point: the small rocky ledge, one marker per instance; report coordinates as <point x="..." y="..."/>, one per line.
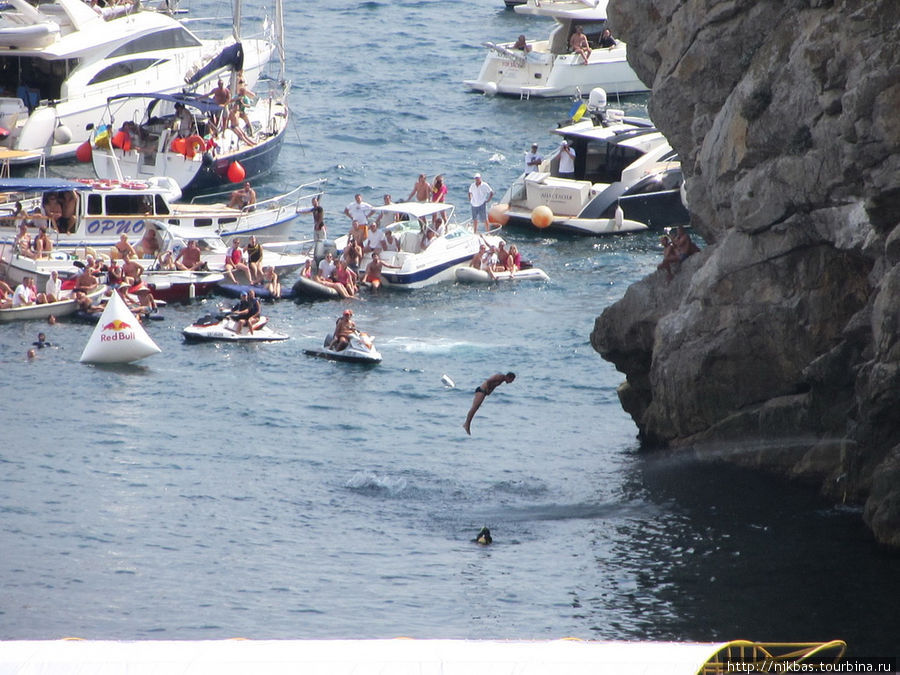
<point x="777" y="346"/>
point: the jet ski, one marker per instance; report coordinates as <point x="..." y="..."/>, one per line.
<point x="211" y="328"/>
<point x="360" y="350"/>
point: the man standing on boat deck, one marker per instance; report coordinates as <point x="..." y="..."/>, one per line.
<point x="480" y="193"/>
<point x="566" y="160"/>
<point x="533" y="159"/>
<point x="359" y="210"/>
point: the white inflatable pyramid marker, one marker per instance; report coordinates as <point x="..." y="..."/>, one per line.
<point x="119" y="337"/>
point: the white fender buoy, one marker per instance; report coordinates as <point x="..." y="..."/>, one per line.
<point x="620" y="216"/>
<point x="445" y="378"/>
<point x="490" y="89"/>
<point x="118" y="336"/>
<point x="62" y="134"/>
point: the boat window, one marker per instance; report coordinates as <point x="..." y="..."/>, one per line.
<point x="120" y="205"/>
<point x="172" y="38"/>
<point x="604" y="162"/>
<point x="203" y="222"/>
<point x="227" y="221"/>
<point x="162" y="208"/>
<point x="34" y="79"/>
<point x="123" y="68"/>
<point x="95" y="205"/>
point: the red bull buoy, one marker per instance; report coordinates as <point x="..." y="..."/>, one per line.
<point x="118" y="336"/>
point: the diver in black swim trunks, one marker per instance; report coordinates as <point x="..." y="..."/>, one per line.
<point x="484" y="390"/>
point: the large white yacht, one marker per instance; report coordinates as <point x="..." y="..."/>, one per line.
<point x="60" y="60"/>
<point x="626" y="178"/>
<point x="548" y="67"/>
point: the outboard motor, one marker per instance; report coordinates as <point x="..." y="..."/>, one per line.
<point x="598" y="110"/>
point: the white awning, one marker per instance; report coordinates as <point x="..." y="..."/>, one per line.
<point x="414" y="209"/>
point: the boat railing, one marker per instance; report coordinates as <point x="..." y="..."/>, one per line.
<point x="298" y="200"/>
<point x="505" y="51"/>
<point x="749" y="656"/>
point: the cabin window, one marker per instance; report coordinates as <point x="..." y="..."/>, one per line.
<point x="160" y="40"/>
<point x="123" y="68"/>
<point x="33" y="79"/>
<point x="604" y="162"/>
<point x="95" y="205"/>
<point x="203" y="222"/>
<point x="122" y="205"/>
<point x="162" y="208"/>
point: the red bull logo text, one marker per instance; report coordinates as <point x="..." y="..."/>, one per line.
<point x="120" y="331"/>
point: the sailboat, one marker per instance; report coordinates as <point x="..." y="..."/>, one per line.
<point x="211" y="151"/>
<point x="61" y="59"/>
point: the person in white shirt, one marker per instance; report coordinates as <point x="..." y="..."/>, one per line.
<point x="566" y="161"/>
<point x="26" y="294"/>
<point x="53" y="288"/>
<point x="358" y="210"/>
<point x="533" y="159"/>
<point x="326" y="266"/>
<point x="480" y="193"/>
<point x="390" y="243"/>
<point x="375" y="242"/>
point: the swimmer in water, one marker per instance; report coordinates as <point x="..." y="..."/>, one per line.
<point x="484" y="390"/>
<point x="484" y="537"/>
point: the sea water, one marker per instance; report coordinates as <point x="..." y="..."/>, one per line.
<point x="217" y="491"/>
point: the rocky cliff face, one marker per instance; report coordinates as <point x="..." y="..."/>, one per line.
<point x="779" y="344"/>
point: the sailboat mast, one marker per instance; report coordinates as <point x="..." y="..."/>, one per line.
<point x="236" y="20"/>
<point x="279" y="37"/>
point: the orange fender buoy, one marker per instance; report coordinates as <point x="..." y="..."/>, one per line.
<point x="236" y="172"/>
<point x="498" y="214"/>
<point x="542" y="216"/>
<point x="84" y="152"/>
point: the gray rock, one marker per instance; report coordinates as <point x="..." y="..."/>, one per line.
<point x="782" y="338"/>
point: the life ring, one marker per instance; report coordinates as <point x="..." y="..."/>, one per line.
<point x="135" y="185"/>
<point x="193" y="145"/>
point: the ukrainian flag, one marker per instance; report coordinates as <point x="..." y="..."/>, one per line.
<point x="578" y="111"/>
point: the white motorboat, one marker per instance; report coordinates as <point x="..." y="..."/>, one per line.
<point x="361" y="349"/>
<point x="224" y="329"/>
<point x="213" y="250"/>
<point x="548" y="67"/>
<point x="64" y="307"/>
<point x="451" y="245"/>
<point x="105" y="210"/>
<point x="470" y="275"/>
<point x="627" y="178"/>
<point x="63" y="59"/>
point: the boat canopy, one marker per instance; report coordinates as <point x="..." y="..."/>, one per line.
<point x="574" y="10"/>
<point x="609" y="134"/>
<point x="198" y="101"/>
<point x="414" y="209"/>
<point x="399" y="657"/>
<point x="40" y="185"/>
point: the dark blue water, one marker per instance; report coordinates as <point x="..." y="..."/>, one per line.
<point x="220" y="491"/>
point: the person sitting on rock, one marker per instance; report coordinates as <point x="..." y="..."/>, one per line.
<point x="670" y="257"/>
